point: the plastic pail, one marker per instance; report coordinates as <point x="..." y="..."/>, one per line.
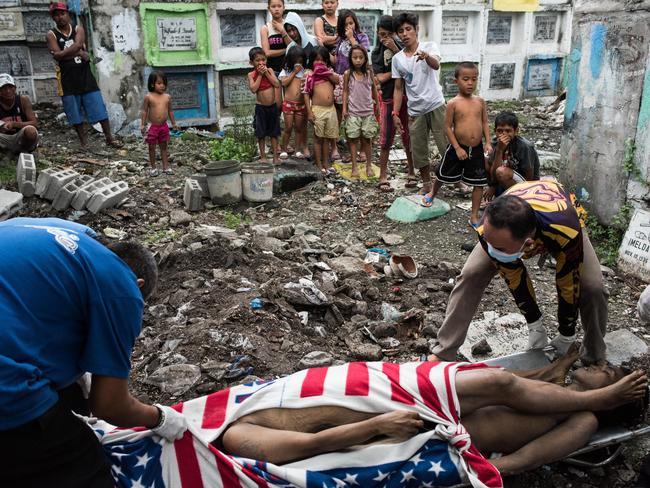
<point x="257" y="182"/>
<point x="224" y="181"/>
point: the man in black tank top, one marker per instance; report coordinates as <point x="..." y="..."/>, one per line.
<point x="78" y="88"/>
<point x="17" y="119"/>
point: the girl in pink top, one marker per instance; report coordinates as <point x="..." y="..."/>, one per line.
<point x="360" y="107"/>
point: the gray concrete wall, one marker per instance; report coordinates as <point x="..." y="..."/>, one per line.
<point x="606" y="72"/>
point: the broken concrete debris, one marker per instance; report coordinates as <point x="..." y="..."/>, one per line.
<point x="10" y="203"/>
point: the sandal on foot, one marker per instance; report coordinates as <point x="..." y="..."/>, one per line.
<point x="284" y="155"/>
<point x="385" y="187"/>
<point x="427" y="200"/>
<point x="168" y="171"/>
<point x="331" y="171"/>
<point x="411" y="182"/>
<point x="473" y="226"/>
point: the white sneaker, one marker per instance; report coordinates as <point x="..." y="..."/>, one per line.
<point x="537" y="338"/>
<point x="562" y="343"/>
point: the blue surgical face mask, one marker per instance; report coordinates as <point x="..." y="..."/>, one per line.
<point x="504" y="257"/>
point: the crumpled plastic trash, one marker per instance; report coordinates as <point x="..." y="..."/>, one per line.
<point x="389" y="313"/>
<point x="310" y="291"/>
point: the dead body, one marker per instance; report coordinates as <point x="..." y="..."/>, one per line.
<point x="551" y="421"/>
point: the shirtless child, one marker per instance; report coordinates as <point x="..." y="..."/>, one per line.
<point x="319" y="99"/>
<point x="262" y="82"/>
<point x="466" y="124"/>
<point x="156" y="108"/>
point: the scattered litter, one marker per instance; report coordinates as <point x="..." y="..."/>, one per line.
<point x="256" y="304"/>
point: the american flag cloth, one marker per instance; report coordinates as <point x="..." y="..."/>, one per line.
<point x="444" y="456"/>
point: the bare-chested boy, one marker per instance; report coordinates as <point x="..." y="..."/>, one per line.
<point x="156" y="108"/>
<point x="466" y="125"/>
<point x="262" y="82"/>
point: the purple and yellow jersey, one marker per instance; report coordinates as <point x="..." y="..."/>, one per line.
<point x="559" y="232"/>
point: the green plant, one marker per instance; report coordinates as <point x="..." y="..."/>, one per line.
<point x="239" y="142"/>
<point x="233" y="220"/>
<point x="608" y="238"/>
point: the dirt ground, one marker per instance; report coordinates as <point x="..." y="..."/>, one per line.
<point x="214" y="262"/>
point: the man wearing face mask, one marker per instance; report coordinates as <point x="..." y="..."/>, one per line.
<point x="529" y="219"/>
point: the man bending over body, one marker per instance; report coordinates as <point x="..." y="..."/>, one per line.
<point x="552" y="421"/>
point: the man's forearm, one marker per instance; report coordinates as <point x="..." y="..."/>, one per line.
<point x="130" y="413"/>
<point x="342" y="436"/>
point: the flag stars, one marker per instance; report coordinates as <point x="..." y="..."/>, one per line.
<point x="407" y="476"/>
<point x="416" y="459"/>
<point x="436" y="468"/>
<point x="380" y="476"/>
<point x="351" y="479"/>
<point x="137" y="484"/>
<point x="143" y="460"/>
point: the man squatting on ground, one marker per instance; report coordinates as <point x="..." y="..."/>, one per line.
<point x="77" y="85"/>
<point x="69" y="305"/>
<point x="529" y="219"/>
<point x="17" y="119"/>
<point x="551" y="421"/>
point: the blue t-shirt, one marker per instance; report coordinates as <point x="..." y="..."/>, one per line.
<point x="68" y="305"/>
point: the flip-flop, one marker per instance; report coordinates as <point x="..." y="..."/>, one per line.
<point x="385" y="187"/>
<point x="284" y="155"/>
<point x="474" y="226"/>
<point x="427" y="200"/>
<point x="411" y="183"/>
<point x="331" y="172"/>
<point x="297" y="155"/>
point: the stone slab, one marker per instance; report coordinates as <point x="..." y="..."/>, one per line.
<point x="193" y="196"/>
<point x="26" y="174"/>
<point x="634" y="253"/>
<point x="10" y="203"/>
<point x="505" y="334"/>
<point x="293" y="174"/>
<point x="623" y="345"/>
<point x="408" y="209"/>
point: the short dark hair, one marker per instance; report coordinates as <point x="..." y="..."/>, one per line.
<point x="293" y="55"/>
<point x="512" y="213"/>
<point x="386" y="23"/>
<point x="340" y="24"/>
<point x="364" y="66"/>
<point x="405" y="18"/>
<point x="268" y="4"/>
<point x="324" y="54"/>
<point x="629" y="414"/>
<point x="464" y="65"/>
<point x="141" y="261"/>
<point x="254" y="52"/>
<point x="506" y="118"/>
<point x="153" y="77"/>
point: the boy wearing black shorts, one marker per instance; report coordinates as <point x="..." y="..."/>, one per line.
<point x="262" y="82"/>
<point x="466" y="125"/>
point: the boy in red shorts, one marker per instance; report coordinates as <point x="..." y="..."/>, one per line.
<point x="157" y="107"/>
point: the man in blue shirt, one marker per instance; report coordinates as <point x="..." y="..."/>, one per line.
<point x="69" y="305"/>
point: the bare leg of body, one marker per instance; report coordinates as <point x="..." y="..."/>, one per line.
<point x="556" y="371"/>
<point x="537" y="440"/>
<point x="492" y="387"/>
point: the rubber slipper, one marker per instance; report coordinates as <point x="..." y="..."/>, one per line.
<point x="411" y="183"/>
<point x="385" y="187"/>
<point x="427" y="200"/>
<point x="297" y="155"/>
<point x="331" y="172"/>
<point x="474" y="226"/>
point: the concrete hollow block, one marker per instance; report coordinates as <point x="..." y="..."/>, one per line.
<point x="26" y="174"/>
<point x="43" y="180"/>
<point x="57" y="181"/>
<point x="108" y="196"/>
<point x="85" y="192"/>
<point x="64" y="197"/>
<point x="202" y="179"/>
<point x="193" y="196"/>
<point x="10" y="203"/>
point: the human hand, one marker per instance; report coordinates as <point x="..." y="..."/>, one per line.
<point x="261" y="69"/>
<point x="175" y="127"/>
<point x="10" y="125"/>
<point x="344" y="113"/>
<point x="502" y="141"/>
<point x="297" y="67"/>
<point x="84" y="55"/>
<point x="389" y="43"/>
<point x="421" y="55"/>
<point x="400" y="424"/>
<point x="173" y="426"/>
<point x="489" y="192"/>
<point x="461" y="153"/>
<point x="311" y="117"/>
<point x="488" y="149"/>
<point x="349" y="33"/>
<point x="398" y="123"/>
<point x="143" y="129"/>
<point x="278" y="27"/>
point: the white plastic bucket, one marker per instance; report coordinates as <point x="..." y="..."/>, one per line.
<point x="224" y="181"/>
<point x="257" y="182"/>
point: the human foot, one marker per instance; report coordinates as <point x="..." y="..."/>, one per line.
<point x="628" y="389"/>
<point x="369" y="172"/>
<point x="560" y="368"/>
